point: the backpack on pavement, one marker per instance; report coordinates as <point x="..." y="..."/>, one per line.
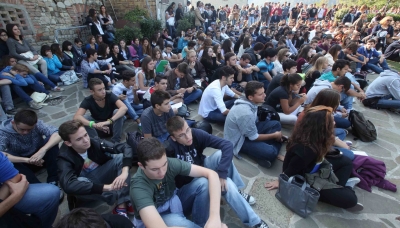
<point x="363" y="129"/>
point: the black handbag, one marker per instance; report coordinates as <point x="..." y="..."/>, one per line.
<point x="296" y="195"/>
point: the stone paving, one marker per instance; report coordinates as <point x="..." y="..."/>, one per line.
<point x="381" y="207"/>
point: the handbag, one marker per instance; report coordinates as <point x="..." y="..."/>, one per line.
<point x="39" y="97"/>
<point x="296" y="195"/>
<point x="69" y="77"/>
<point x="30" y="55"/>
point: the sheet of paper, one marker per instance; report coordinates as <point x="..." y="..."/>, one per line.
<point x="177" y="105"/>
<point x="198" y="82"/>
<point x="361" y="153"/>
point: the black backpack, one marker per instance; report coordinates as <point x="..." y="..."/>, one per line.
<point x="133" y="139"/>
<point x="266" y="112"/>
<point x="363" y="129"/>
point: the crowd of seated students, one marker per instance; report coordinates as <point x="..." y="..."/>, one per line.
<point x="304" y="66"/>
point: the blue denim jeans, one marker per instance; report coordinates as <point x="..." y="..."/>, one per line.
<point x="263" y="150"/>
<point x="195" y="200"/>
<point x="190" y="97"/>
<point x="56" y="77"/>
<point x="238" y="204"/>
<point x="388" y="101"/>
<point x="346" y="100"/>
<point x="216" y="116"/>
<point x="378" y="69"/>
<point x="40" y="77"/>
<point x="340" y="133"/>
<point x="6" y="97"/>
<point x="346" y="152"/>
<point x="41" y="200"/>
<point x="251" y="20"/>
<point x="342" y="122"/>
<point x="134" y="110"/>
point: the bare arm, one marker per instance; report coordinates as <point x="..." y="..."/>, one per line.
<point x="12" y="192"/>
<point x="121" y="110"/>
<point x="79" y="116"/>
<point x="141" y="82"/>
<point x="151" y="218"/>
<point x="16" y="159"/>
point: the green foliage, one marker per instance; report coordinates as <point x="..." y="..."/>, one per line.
<point x="149" y="27"/>
<point x="136" y="15"/>
<point x="396" y="17"/>
<point x="185" y="23"/>
<point x="128" y="33"/>
<point x="340" y="14"/>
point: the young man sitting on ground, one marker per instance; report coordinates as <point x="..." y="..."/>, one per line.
<point x="90" y="68"/>
<point x="156" y="200"/>
<point x="342" y="85"/>
<point x="87" y="171"/>
<point x="179" y="81"/>
<point x="126" y="92"/>
<point x="155" y="117"/>
<point x="27" y="137"/>
<point x="260" y="139"/>
<point x="105" y="109"/>
<point x="188" y="144"/>
<point x="212" y="106"/>
<point x="160" y="83"/>
<point x="375" y="61"/>
<point x="17" y="196"/>
<point x="339" y="69"/>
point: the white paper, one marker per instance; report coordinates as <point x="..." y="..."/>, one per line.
<point x="206" y="20"/>
<point x="177" y="105"/>
<point x="141" y="92"/>
<point x="198" y="82"/>
<point x="361" y="153"/>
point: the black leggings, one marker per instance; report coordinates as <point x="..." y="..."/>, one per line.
<point x="340" y="197"/>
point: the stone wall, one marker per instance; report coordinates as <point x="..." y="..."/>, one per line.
<point x="38" y="19"/>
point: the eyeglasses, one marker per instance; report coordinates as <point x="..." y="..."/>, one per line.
<point x="186" y="134"/>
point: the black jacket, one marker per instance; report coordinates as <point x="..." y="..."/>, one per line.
<point x="263" y="39"/>
<point x="70" y="165"/>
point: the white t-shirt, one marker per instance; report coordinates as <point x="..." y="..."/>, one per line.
<point x="321" y="13"/>
<point x="213" y="98"/>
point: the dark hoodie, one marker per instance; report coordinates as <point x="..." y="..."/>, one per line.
<point x="194" y="153"/>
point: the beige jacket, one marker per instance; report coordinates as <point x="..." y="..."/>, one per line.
<point x="198" y="18"/>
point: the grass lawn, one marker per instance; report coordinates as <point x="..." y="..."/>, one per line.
<point x="394" y="65"/>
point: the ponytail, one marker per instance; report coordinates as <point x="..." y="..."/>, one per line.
<point x="290" y="79"/>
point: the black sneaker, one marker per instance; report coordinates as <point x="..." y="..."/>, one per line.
<point x="264" y="163"/>
<point x="12" y="111"/>
<point x="61" y="191"/>
<point x="250" y="199"/>
<point x="262" y="224"/>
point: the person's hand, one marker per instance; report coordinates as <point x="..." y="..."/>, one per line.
<point x="190" y="90"/>
<point x="7" y="74"/>
<point x="36" y="157"/>
<point x="303" y="97"/>
<point x="37" y="163"/>
<point x="278" y="136"/>
<point x="119" y="182"/>
<point x="108" y="188"/>
<point x="215" y="223"/>
<point x="100" y="125"/>
<point x="362" y="95"/>
<point x="36" y="56"/>
<point x="226" y="112"/>
<point x="108" y="71"/>
<point x="72" y="68"/>
<point x="181" y="90"/>
<point x="135" y="88"/>
<point x="224" y="185"/>
<point x="122" y="97"/>
<point x="344" y="114"/>
<point x="18" y="189"/>
<point x="271" y="185"/>
<point x="192" y="64"/>
<point x="180" y="95"/>
<point x="41" y="83"/>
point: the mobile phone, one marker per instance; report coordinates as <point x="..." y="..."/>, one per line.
<point x="124" y="92"/>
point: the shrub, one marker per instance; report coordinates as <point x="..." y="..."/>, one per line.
<point x="183" y="25"/>
<point x="149" y="27"/>
<point x="340" y="14"/>
<point x="128" y="33"/>
<point x="136" y="15"/>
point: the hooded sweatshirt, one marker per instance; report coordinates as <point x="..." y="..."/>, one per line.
<point x="387" y="83"/>
<point x="318" y="86"/>
<point x="24" y="145"/>
<point x="241" y="123"/>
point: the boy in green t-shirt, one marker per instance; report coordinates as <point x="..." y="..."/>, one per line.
<point x="157" y="201"/>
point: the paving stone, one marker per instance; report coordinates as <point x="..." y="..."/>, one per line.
<point x="275" y="169"/>
<point x="72" y="110"/>
<point x="383" y="123"/>
<point x="376" y="115"/>
<point x="245" y="168"/>
<point x="70" y="97"/>
<point x="398" y="159"/>
<point x="334" y="222"/>
<point x="70" y="103"/>
<point x="58" y="115"/>
<point x="375" y="149"/>
<point x="389" y="136"/>
<point x="396" y="195"/>
<point x="307" y="222"/>
<point x="245" y="181"/>
<point x="376" y="204"/>
<point x="326" y="208"/>
<point x="387" y="222"/>
<point x="267" y="206"/>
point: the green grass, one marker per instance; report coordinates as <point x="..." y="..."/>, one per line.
<point x="394" y="65"/>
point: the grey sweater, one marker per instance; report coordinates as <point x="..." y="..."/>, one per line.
<point x="15" y="49"/>
<point x="318" y="86"/>
<point x="387" y="83"/>
<point x="241" y="123"/>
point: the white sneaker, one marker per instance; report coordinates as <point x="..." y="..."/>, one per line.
<point x="250" y="199"/>
<point x="351" y="182"/>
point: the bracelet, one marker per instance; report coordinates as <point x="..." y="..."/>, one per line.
<point x="111" y="121"/>
<point x="91" y="124"/>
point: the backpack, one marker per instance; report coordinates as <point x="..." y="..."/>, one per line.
<point x="363" y="129"/>
<point x="266" y="112"/>
<point x="133" y="139"/>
